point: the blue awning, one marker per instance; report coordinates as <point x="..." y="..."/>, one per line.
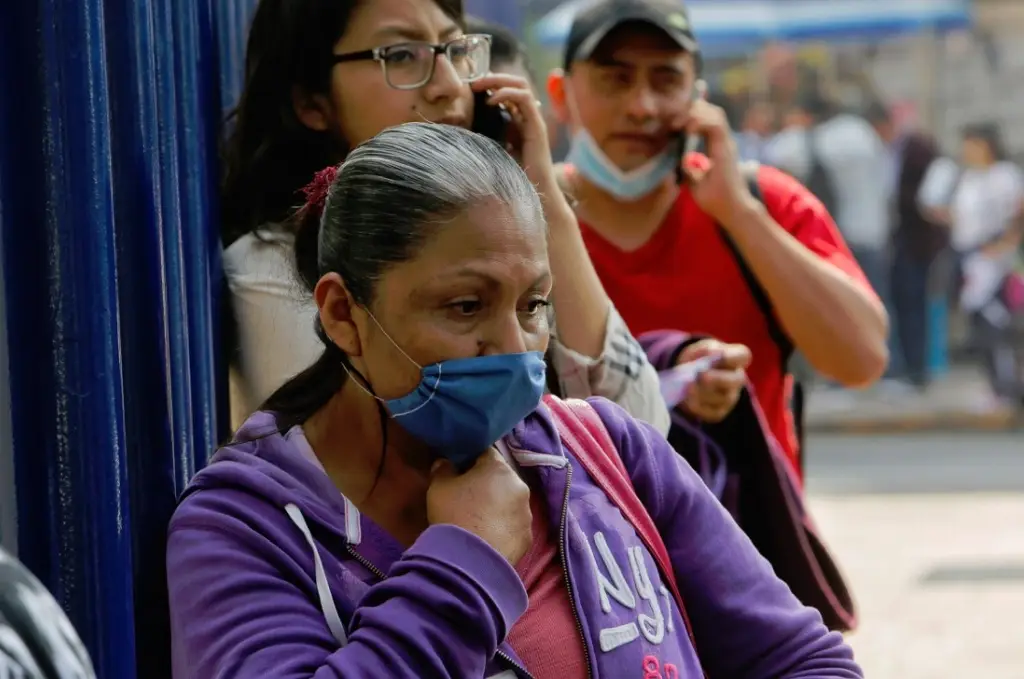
<point x="738" y="23"/>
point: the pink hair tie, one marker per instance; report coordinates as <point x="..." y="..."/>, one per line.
<point x="316" y="191"/>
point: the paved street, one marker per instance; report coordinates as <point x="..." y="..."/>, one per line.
<point x="930" y="530"/>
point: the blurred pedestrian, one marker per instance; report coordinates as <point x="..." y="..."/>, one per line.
<point x="917" y="241"/>
<point x="986" y="231"/>
<point x="507" y="53"/>
<point x="754" y="130"/>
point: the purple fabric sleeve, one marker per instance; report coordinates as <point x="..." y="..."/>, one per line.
<point x="664" y="346"/>
<point x="746" y="621"/>
<point x="261" y="619"/>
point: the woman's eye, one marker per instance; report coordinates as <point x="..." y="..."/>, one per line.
<point x="400" y="55"/>
<point x="467" y="307"/>
<point x="537" y="306"/>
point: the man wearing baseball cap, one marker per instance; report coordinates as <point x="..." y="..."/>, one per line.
<point x="685" y="243"/>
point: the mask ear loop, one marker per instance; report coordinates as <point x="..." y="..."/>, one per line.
<point x="364" y="384"/>
<point x="380" y="401"/>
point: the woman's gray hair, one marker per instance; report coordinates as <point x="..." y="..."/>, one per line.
<point x="393" y="190"/>
<point x="388" y="197"/>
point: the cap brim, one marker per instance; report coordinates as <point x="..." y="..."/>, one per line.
<point x="586" y="49"/>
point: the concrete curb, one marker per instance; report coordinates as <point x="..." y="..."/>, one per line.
<point x="916" y="422"/>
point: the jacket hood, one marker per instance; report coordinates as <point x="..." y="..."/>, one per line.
<point x="264" y="462"/>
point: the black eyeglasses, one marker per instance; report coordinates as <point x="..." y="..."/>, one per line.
<point x="410" y="65"/>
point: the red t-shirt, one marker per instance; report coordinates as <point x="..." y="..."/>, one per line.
<point x="546" y="637"/>
<point x="685" y="278"/>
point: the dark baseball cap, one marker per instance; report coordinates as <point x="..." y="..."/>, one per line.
<point x="595" y="21"/>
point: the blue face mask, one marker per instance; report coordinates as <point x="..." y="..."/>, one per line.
<point x="464" y="405"/>
<point x="591" y="162"/>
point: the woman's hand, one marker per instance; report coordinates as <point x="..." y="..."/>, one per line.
<point x="529" y="134"/>
<point x="489" y="500"/>
<point x="581" y="300"/>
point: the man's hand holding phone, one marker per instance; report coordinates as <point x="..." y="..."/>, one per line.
<point x="716" y="390"/>
<point x="720" y="189"/>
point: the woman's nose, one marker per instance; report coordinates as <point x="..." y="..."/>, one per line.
<point x="507" y="336"/>
<point x="445" y="83"/>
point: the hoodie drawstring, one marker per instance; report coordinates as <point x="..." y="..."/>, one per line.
<point x="323" y="589"/>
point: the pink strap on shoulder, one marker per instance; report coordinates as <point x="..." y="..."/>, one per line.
<point x="582" y="431"/>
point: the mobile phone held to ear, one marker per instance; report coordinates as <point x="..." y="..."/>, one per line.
<point x="489" y="120"/>
<point x="690" y="143"/>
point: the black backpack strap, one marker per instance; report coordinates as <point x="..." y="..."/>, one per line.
<point x="764" y="303"/>
<point x="757" y="291"/>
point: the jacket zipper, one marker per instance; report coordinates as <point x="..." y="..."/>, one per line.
<point x="565" y="570"/>
<point x="501" y="654"/>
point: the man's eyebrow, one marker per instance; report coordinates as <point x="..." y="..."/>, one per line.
<point x="608" y="61"/>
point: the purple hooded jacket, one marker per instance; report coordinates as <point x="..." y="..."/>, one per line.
<point x="245" y="602"/>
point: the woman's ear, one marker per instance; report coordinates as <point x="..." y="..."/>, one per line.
<point x="337" y="308"/>
<point x="556" y="94"/>
<point x="312" y="110"/>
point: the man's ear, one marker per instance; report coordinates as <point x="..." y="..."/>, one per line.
<point x="556" y="95"/>
<point x="312" y="110"/>
<point x="337" y="314"/>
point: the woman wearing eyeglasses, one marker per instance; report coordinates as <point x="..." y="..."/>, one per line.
<point x="323" y="76"/>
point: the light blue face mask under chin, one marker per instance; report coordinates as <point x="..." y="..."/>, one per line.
<point x="591" y="162"/>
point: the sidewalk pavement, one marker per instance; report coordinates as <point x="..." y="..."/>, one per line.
<point x="938" y="579"/>
<point x="958" y="401"/>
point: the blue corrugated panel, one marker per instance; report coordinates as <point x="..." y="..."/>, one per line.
<point x="61" y="276"/>
<point x="109" y="115"/>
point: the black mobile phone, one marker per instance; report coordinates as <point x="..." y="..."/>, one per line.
<point x="688" y="144"/>
<point x="491" y="121"/>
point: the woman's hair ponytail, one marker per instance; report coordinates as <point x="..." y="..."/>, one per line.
<point x="313" y="388"/>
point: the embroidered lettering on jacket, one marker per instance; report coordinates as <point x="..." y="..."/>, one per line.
<point x="653" y="669"/>
<point x="612" y="584"/>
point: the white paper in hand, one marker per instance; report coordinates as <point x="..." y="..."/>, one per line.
<point x="676" y="382"/>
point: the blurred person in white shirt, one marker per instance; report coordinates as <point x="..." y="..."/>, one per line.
<point x="841" y="158"/>
<point x="986" y="231"/>
<point x="850" y="155"/>
<point x="754" y="130"/>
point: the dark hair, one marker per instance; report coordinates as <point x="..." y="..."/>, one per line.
<point x="269" y="155"/>
<point x="732" y="108"/>
<point x="877" y="113"/>
<point x="816" y="104"/>
<point x="505" y="46"/>
<point x="386" y="200"/>
<point x="989" y="133"/>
